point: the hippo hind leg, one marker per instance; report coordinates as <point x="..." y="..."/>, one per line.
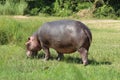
<point x="84" y="54"/>
<point x="60" y="56"/>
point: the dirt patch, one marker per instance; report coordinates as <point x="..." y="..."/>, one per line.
<point x="20" y="17"/>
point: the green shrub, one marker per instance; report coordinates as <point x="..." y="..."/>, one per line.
<point x="3" y="37"/>
<point x="20" y="7"/>
<point x="105" y="11"/>
<point x="60" y="9"/>
<point x="84" y="5"/>
<point x="63" y="8"/>
<point x="34" y="11"/>
<point x="118" y="13"/>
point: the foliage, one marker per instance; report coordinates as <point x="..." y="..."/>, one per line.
<point x="9" y="32"/>
<point x="34" y="11"/>
<point x="60" y="7"/>
<point x="105" y="11"/>
<point x="83" y="5"/>
<point x="106" y="8"/>
<point x="39" y="6"/>
<point x="113" y="3"/>
<point x="34" y="7"/>
<point x="16" y="31"/>
<point x="69" y="7"/>
<point x="12" y="31"/>
<point x="98" y="3"/>
<point x="118" y="12"/>
<point x="63" y="7"/>
<point x="10" y="7"/>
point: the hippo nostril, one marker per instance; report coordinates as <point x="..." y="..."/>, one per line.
<point x="28" y="44"/>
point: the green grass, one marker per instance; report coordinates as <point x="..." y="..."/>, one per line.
<point x="104" y="57"/>
<point x="12" y="7"/>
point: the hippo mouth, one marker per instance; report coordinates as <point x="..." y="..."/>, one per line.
<point x="31" y="54"/>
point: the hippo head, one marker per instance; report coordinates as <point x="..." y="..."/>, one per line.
<point x="32" y="46"/>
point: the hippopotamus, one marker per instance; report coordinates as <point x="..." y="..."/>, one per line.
<point x="64" y="36"/>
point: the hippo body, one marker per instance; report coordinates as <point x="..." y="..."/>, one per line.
<point x="65" y="36"/>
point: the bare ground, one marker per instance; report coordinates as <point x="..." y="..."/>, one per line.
<point x="20" y="17"/>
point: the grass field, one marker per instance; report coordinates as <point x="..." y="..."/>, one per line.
<point x="104" y="54"/>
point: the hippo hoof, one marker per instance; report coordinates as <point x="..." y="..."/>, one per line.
<point x="46" y="58"/>
<point x="59" y="58"/>
<point x="85" y="63"/>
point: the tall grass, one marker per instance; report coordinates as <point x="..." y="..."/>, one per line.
<point x="13" y="31"/>
<point x="10" y="31"/>
<point x="17" y="30"/>
<point x="12" y="8"/>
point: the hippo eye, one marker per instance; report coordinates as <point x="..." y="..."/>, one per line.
<point x="28" y="38"/>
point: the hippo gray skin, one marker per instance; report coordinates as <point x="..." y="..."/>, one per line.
<point x="65" y="36"/>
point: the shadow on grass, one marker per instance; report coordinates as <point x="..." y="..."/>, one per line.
<point x="75" y="60"/>
<point x="90" y="61"/>
<point x="93" y="62"/>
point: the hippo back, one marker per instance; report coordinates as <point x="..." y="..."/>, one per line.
<point x="64" y="35"/>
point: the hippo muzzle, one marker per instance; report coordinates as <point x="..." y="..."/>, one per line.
<point x="32" y="47"/>
<point x="31" y="54"/>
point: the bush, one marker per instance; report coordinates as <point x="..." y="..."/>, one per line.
<point x="61" y="8"/>
<point x="69" y="7"/>
<point x="84" y="5"/>
<point x="118" y="13"/>
<point x="20" y="7"/>
<point x="105" y="11"/>
<point x="34" y="11"/>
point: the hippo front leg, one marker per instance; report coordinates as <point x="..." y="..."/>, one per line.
<point x="60" y="56"/>
<point x="47" y="53"/>
<point x="34" y="54"/>
<point x="84" y="55"/>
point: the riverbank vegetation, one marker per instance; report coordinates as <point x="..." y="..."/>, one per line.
<point x="62" y="8"/>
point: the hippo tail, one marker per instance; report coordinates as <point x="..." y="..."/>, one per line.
<point x="89" y="35"/>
